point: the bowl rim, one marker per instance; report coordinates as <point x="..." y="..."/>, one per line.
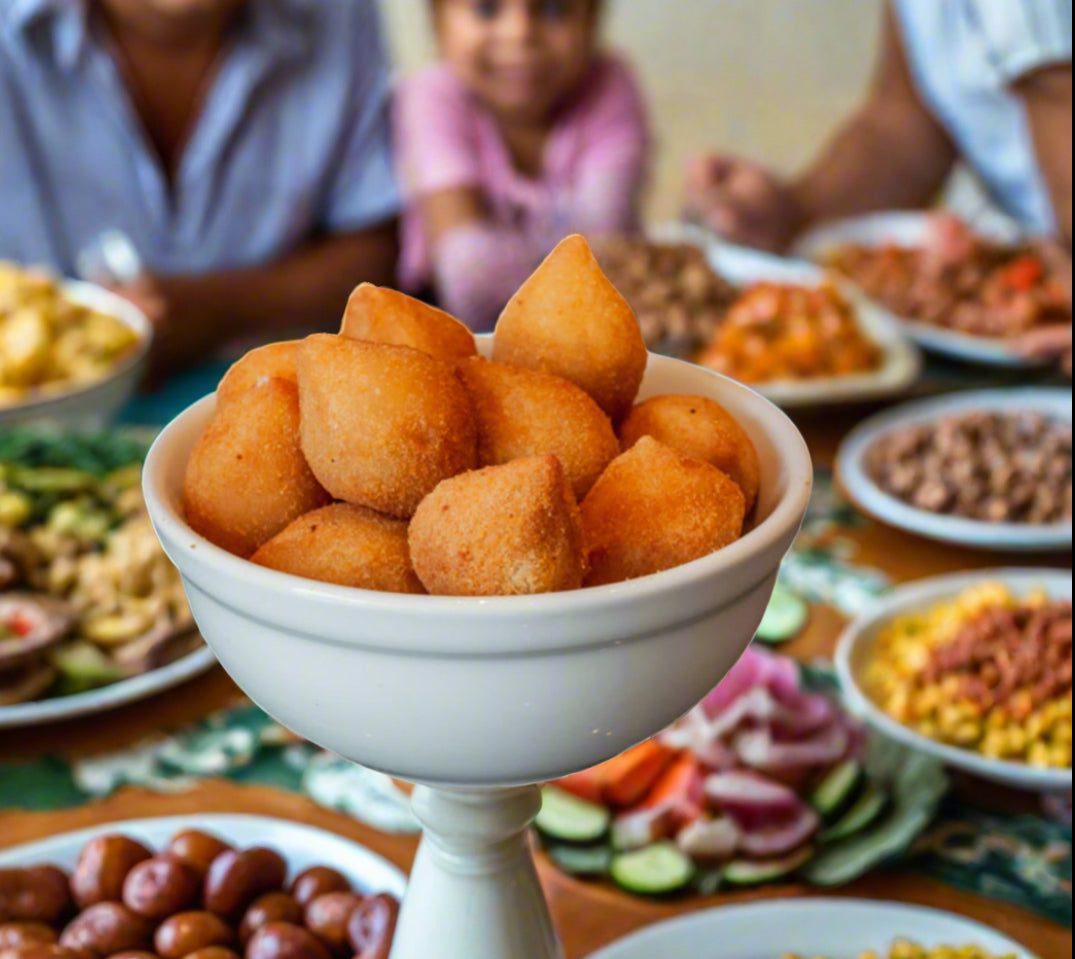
<point x="103" y="301"/>
<point x="872" y="499"/>
<point x="917" y="595"/>
<point x="781" y="524"/>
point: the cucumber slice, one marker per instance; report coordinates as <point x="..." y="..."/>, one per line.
<point x="656" y="870"/>
<point x="570" y="819"/>
<point x="784" y="618"/>
<point x="864" y="813"/>
<point x="758" y="872"/>
<point x="590" y="862"/>
<point x="839" y="789"/>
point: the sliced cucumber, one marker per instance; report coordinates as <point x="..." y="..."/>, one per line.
<point x="570" y="819"/>
<point x="864" y="813"/>
<point x="656" y="870"/>
<point x="707" y="882"/>
<point x="838" y="790"/>
<point x="758" y="872"/>
<point x="784" y="618"/>
<point x="587" y="861"/>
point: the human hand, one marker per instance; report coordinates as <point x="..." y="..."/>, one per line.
<point x="181" y="314"/>
<point x="742" y="202"/>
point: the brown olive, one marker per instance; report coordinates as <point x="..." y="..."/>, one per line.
<point x="19" y="933"/>
<point x="36" y="894"/>
<point x="188" y="932"/>
<point x="102" y="867"/>
<point x="272" y="907"/>
<point x="326" y="917"/>
<point x="38" y="950"/>
<point x="197" y="849"/>
<point x="372" y="926"/>
<point x="106" y="928"/>
<point x="213" y="952"/>
<point x="282" y="940"/>
<point x="160" y="887"/>
<point x="235" y="879"/>
<point x="316" y="881"/>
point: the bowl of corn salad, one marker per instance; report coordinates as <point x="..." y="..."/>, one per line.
<point x="974" y="668"/>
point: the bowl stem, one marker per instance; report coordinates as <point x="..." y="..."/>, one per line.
<point x="474" y="892"/>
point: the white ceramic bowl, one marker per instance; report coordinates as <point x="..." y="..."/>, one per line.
<point x="855" y="650"/>
<point x="836" y="928"/>
<point x="94" y="405"/>
<point x="499" y="691"/>
<point x="302" y="846"/>
<point x="909" y="229"/>
<point x="1005" y="537"/>
<point x="901" y="361"/>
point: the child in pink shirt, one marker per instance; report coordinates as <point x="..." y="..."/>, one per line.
<point x="524" y="134"/>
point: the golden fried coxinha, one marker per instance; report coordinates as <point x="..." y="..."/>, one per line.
<point x="523" y="412"/>
<point x="568" y="319"/>
<point x="654" y="509"/>
<point x="502" y="531"/>
<point x="276" y="360"/>
<point x="382" y="425"/>
<point x="379" y="315"/>
<point x="345" y="545"/>
<point x="247" y="478"/>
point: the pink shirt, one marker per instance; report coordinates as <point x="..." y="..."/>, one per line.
<point x="596" y="161"/>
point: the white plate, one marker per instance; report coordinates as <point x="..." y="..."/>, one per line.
<point x="910" y="229"/>
<point x="302" y="846"/>
<point x="833" y="928"/>
<point x="1004" y="537"/>
<point x="95" y="405"/>
<point x="901" y="361"/>
<point x="108" y="697"/>
<point x="856" y="647"/>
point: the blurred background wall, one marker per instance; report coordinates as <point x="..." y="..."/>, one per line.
<point x="766" y="78"/>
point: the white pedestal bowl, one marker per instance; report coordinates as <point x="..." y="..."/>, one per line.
<point x="478" y="699"/>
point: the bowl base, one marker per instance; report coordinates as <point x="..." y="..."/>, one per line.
<point x="474" y="891"/>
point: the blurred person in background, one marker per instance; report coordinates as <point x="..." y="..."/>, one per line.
<point x="240" y="146"/>
<point x="987" y="82"/>
<point x="524" y="133"/>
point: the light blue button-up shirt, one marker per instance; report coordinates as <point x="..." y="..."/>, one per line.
<point x="292" y="140"/>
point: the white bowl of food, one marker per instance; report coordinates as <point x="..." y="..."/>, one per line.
<point x="925" y="467"/>
<point x="71" y="353"/>
<point x="919" y="668"/>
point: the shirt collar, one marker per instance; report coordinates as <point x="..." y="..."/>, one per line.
<point x="279" y="27"/>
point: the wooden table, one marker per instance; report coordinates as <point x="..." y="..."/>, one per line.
<point x="587" y="916"/>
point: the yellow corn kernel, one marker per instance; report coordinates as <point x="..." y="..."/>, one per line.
<point x="967" y="733"/>
<point x="1038" y="755"/>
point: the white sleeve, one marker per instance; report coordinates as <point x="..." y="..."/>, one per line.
<point x="1021" y="36"/>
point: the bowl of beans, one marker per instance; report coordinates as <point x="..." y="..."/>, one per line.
<point x="972" y="668"/>
<point x="209" y="887"/>
<point x="989" y="469"/>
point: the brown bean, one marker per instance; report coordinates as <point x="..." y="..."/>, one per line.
<point x="106" y="928"/>
<point x="316" y="881"/>
<point x="282" y="940"/>
<point x="38" y="950"/>
<point x="372" y="926"/>
<point x="213" y="952"/>
<point x="272" y="907"/>
<point x="19" y="933"/>
<point x="35" y="894"/>
<point x="235" y="879"/>
<point x="327" y="916"/>
<point x="160" y="887"/>
<point x="197" y="849"/>
<point x="103" y="866"/>
<point x="187" y="932"/>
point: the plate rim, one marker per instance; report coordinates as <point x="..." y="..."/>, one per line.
<point x="112" y="696"/>
<point x="649" y="936"/>
<point x="982" y="350"/>
<point x="218" y="822"/>
<point x="883" y="506"/>
<point x="918" y="594"/>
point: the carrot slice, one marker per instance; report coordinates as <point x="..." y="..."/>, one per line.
<point x="681" y="788"/>
<point x="588" y="784"/>
<point x="631" y="775"/>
